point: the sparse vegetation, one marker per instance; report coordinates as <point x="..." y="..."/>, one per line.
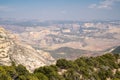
<point x="83" y="68"/>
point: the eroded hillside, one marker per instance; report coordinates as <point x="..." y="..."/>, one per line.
<point x="91" y="38"/>
<point x="12" y="50"/>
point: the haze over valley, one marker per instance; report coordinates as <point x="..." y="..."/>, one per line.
<point x="67" y="39"/>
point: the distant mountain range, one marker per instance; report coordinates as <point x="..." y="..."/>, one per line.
<point x="66" y="39"/>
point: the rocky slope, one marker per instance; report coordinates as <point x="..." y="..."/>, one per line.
<point x="12" y="50"/>
<point x="116" y="50"/>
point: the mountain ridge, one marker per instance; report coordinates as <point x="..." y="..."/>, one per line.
<point x="12" y="50"/>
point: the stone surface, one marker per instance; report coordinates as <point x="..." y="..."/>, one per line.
<point x="12" y="49"/>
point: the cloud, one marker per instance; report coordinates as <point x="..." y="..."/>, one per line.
<point x="106" y="4"/>
<point x="63" y="12"/>
<point x="92" y="5"/>
<point x="5" y="9"/>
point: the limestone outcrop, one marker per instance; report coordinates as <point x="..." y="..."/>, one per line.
<point x="15" y="51"/>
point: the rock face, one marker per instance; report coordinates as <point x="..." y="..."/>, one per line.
<point x="12" y="50"/>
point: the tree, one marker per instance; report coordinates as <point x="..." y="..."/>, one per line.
<point x="117" y="75"/>
<point x="11" y="71"/>
<point x="4" y="75"/>
<point x="64" y="64"/>
<point x="55" y="76"/>
<point x="32" y="77"/>
<point x="21" y="70"/>
<point x="71" y="74"/>
<point x="81" y="61"/>
<point x="49" y="71"/>
<point x="45" y="70"/>
<point x="41" y="76"/>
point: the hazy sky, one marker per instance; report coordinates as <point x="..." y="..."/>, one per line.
<point x="60" y="9"/>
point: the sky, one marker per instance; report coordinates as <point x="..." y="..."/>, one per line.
<point x="60" y="9"/>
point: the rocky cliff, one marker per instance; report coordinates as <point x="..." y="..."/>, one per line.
<point x="12" y="50"/>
